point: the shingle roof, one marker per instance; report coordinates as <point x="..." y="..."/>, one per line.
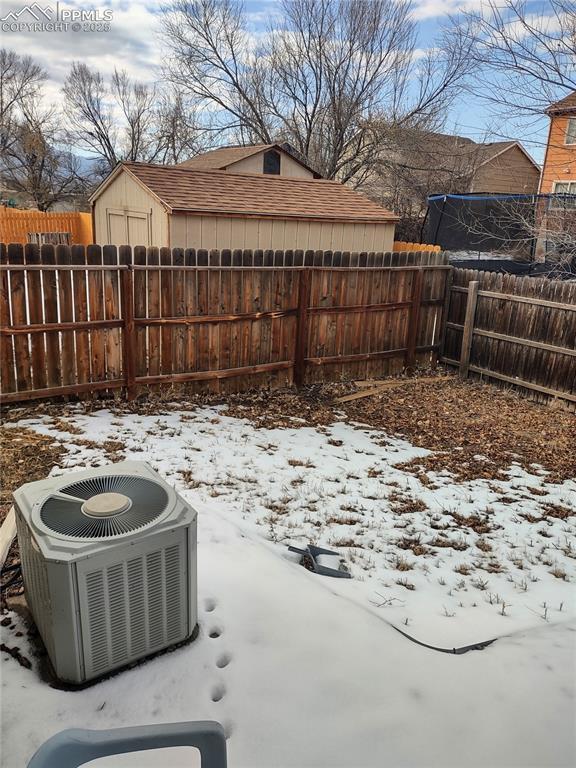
<point x="567" y="104"/>
<point x="486" y="151"/>
<point x="218" y="192"/>
<point x="221" y="158"/>
<point x="450" y="151"/>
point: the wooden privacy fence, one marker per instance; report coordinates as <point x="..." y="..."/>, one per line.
<point x="400" y="245"/>
<point x="76" y="320"/>
<point x="517" y="330"/>
<point x="18" y="226"/>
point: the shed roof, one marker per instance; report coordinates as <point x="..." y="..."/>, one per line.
<point x="567" y="104"/>
<point x="191" y="190"/>
<point x="222" y="157"/>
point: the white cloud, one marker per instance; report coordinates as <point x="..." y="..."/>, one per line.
<point x="130" y="44"/>
<point x="430" y="9"/>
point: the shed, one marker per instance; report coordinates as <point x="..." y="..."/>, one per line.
<point x="175" y="206"/>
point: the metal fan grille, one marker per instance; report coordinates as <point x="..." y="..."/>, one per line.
<point x="62" y="513"/>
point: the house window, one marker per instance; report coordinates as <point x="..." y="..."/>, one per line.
<point x="567" y="192"/>
<point x="272" y="162"/>
<point x="571" y="131"/>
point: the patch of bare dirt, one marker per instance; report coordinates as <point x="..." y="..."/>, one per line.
<point x="24" y="456"/>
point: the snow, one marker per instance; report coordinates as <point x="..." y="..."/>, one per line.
<point x="304" y="670"/>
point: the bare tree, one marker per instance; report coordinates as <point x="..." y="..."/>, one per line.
<point x="89" y="114"/>
<point x="127" y="120"/>
<point x="21" y="79"/>
<point x="525" y="60"/>
<point x="30" y="159"/>
<point x="317" y="79"/>
<point x="33" y="164"/>
<point x="176" y="131"/>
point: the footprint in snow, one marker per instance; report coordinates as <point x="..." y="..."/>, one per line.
<point x="209" y="604"/>
<point x="215" y="632"/>
<point x="218" y="692"/>
<point x="223" y="660"/>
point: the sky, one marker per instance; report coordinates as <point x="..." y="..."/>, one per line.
<point x="132" y="42"/>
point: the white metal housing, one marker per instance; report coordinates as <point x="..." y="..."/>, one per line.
<point x="101" y="603"/>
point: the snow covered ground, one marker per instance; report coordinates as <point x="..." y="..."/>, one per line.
<point x="305" y="671"/>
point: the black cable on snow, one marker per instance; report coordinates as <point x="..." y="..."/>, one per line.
<point x="458" y="651"/>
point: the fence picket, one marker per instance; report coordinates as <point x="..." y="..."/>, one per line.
<point x="96" y="312"/>
<point x="66" y="305"/>
<point x="79" y="286"/>
<point x="37" y="342"/>
<point x="7" y="374"/>
<point x="112" y="311"/>
<point x="19" y="317"/>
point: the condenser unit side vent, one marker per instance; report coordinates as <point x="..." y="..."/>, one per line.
<point x="35" y="573"/>
<point x="134" y="607"/>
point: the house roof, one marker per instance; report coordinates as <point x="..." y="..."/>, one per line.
<point x="201" y="191"/>
<point x="453" y="149"/>
<point x="222" y="157"/>
<point x="454" y="159"/>
<point x="567" y="104"/>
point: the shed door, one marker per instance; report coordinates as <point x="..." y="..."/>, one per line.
<point x="138" y="229"/>
<point x="117" y="232"/>
<point x="128" y="227"/>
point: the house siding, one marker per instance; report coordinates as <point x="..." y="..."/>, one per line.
<point x="189" y="231"/>
<point x="560" y="161"/>
<point x="511" y="172"/>
<point x="126" y="214"/>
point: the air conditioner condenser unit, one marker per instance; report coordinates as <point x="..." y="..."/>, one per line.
<point x="109" y="565"/>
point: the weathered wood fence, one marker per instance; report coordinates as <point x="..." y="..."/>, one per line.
<point x="519" y="331"/>
<point x="76" y="320"/>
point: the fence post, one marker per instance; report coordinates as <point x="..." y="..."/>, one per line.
<point x="129" y="335"/>
<point x="445" y="309"/>
<point x="305" y="279"/>
<point x="468" y="333"/>
<point x="410" y="355"/>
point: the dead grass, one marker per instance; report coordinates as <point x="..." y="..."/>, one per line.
<point x="447" y="543"/>
<point x="559" y="573"/>
<point x="413" y="544"/>
<point x="405" y="505"/>
<point x="478" y="524"/>
<point x="401" y="564"/>
<point x="558" y="511"/>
